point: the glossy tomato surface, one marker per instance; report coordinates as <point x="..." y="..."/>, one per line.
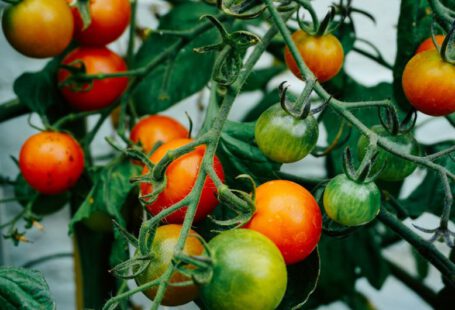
<point x="38" y="28"/>
<point x="181" y="175"/>
<point x="249" y="272"/>
<point x="153" y="128"/>
<point x="289" y="215"/>
<point x="429" y="45"/>
<point x="162" y="252"/>
<point x="394" y="168"/>
<point x="351" y="203"/>
<point x="284" y="138"/>
<point x="51" y="162"/>
<point x="109" y="19"/>
<point x="322" y="54"/>
<point x="103" y="92"/>
<point x="429" y="84"/>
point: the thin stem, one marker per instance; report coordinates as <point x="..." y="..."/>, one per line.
<point x="132" y="34"/>
<point x="448" y="201"/>
<point x="442" y="153"/>
<point x="376" y="58"/>
<point x="46" y="258"/>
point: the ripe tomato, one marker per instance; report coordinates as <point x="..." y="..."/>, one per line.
<point x="351" y="203"/>
<point x="153" y="128"/>
<point x="322" y="54"/>
<point x="290" y="216"/>
<point x="428" y="44"/>
<point x="248" y="273"/>
<point x="181" y="175"/>
<point x="109" y="19"/>
<point x="104" y="92"/>
<point x="429" y="83"/>
<point x="38" y="28"/>
<point x="284" y="138"/>
<point x="394" y="168"/>
<point x="162" y="252"/>
<point x="51" y="162"/>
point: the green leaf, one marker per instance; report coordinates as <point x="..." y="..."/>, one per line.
<point x="346" y="34"/>
<point x="44" y="204"/>
<point x="24" y="289"/>
<point x="266" y="101"/>
<point x="242" y="8"/>
<point x="358" y="301"/>
<point x="239" y="154"/>
<point x="422" y="265"/>
<point x="259" y="79"/>
<point x="302" y="280"/>
<point x="187" y="73"/>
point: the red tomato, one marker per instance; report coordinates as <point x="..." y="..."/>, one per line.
<point x="322" y="54"/>
<point x="288" y="215"/>
<point x="429" y="83"/>
<point x="51" y="162"/>
<point x="153" y="128"/>
<point x="181" y="175"/>
<point x="109" y="19"/>
<point x="104" y="92"/>
<point x="428" y="44"/>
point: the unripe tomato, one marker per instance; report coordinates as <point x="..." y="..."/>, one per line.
<point x="429" y="83"/>
<point x="105" y="91"/>
<point x="38" y="28"/>
<point x="181" y="175"/>
<point x="284" y="138"/>
<point x="248" y="273"/>
<point x="322" y="54"/>
<point x="290" y="216"/>
<point x="153" y="128"/>
<point x="109" y="19"/>
<point x="162" y="252"/>
<point x="429" y="45"/>
<point x="394" y="168"/>
<point x="51" y="162"/>
<point x="351" y="203"/>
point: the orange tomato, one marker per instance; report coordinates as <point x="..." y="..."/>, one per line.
<point x="181" y="175"/>
<point x="428" y="44"/>
<point x="51" y="162"/>
<point x="322" y="54"/>
<point x="153" y="128"/>
<point x="288" y="215"/>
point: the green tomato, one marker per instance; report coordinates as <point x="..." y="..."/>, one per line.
<point x="249" y="272"/>
<point x="351" y="203"/>
<point x="395" y="168"/>
<point x="284" y="138"/>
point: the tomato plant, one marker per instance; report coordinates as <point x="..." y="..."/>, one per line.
<point x="351" y="203"/>
<point x="103" y="92"/>
<point x="161" y="253"/>
<point x="429" y="83"/>
<point x="322" y="54"/>
<point x="38" y="28"/>
<point x="429" y="45"/>
<point x="289" y="215"/>
<point x="109" y="19"/>
<point x="157" y="128"/>
<point x="283" y="137"/>
<point x="393" y="168"/>
<point x="51" y="162"/>
<point x="248" y="273"/>
<point x="181" y="175"/>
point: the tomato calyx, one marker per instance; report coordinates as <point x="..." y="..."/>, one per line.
<point x="448" y="46"/>
<point x="246" y="9"/>
<point x="197" y="267"/>
<point x="392" y="123"/>
<point x="76" y="80"/>
<point x="363" y="174"/>
<point x="83" y="6"/>
<point x="329" y="23"/>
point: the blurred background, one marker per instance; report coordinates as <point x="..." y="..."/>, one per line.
<point x="54" y="238"/>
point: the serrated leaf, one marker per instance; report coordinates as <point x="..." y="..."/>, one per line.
<point x="22" y="288"/>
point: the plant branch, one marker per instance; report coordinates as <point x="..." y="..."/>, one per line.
<point x="11" y="109"/>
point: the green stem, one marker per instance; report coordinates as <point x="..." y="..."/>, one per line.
<point x="377" y="59"/>
<point x="46" y="258"/>
<point x="11" y="109"/>
<point x="441" y="14"/>
<point x="132" y="34"/>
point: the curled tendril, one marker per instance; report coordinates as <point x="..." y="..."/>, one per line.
<point x="336" y="143"/>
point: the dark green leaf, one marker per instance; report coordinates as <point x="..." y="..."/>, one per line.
<point x="422" y="265"/>
<point x="358" y="301"/>
<point x="266" y="101"/>
<point x="242" y="8"/>
<point x="346" y="34"/>
<point x="24" y="289"/>
<point x="259" y="79"/>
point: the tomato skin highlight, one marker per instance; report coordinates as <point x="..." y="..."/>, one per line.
<point x="429" y="84"/>
<point x="289" y="216"/>
<point x="162" y="252"/>
<point x="351" y="203"/>
<point x="51" y="162"/>
<point x="284" y="138"/>
<point x="323" y="55"/>
<point x="109" y="19"/>
<point x="428" y="44"/>
<point x="395" y="168"/>
<point x="249" y="272"/>
<point x="153" y="128"/>
<point x="181" y="175"/>
<point x="38" y="28"/>
<point x="104" y="92"/>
